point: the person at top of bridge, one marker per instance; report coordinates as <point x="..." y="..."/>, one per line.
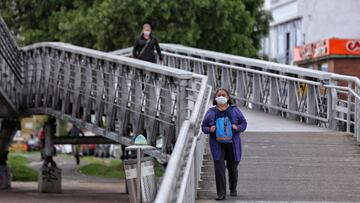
<point x="76" y="132"/>
<point x="146" y="44"/>
<point x="224" y="122"/>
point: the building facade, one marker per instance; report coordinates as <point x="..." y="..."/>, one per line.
<point x="333" y="55"/>
<point x="299" y="22"/>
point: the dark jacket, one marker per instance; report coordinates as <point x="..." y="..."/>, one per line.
<point x="215" y="146"/>
<point x="75" y="132"/>
<point x="148" y="54"/>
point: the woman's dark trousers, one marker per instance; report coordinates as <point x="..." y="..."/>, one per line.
<point x="227" y="154"/>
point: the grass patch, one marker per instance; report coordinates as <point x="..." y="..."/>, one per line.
<point x="19" y="169"/>
<point x="103" y="168"/>
<point x="159" y="171"/>
<point x="109" y="168"/>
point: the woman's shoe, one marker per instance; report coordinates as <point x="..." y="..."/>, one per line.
<point x="233" y="193"/>
<point x="220" y="197"/>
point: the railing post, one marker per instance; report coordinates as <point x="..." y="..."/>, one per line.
<point x="292" y="100"/>
<point x="240" y="86"/>
<point x="225" y="79"/>
<point x="348" y="114"/>
<point x="311" y="103"/>
<point x="181" y="110"/>
<point x="331" y="106"/>
<point x="211" y="73"/>
<point x="256" y="91"/>
<point x="357" y="114"/>
<point x="274" y="97"/>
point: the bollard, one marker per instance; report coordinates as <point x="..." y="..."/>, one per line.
<point x="49" y="180"/>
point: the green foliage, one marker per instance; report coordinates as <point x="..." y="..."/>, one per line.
<point x="19" y="169"/>
<point x="102" y="169"/>
<point x="232" y="26"/>
<point x="109" y="168"/>
<point x="63" y="128"/>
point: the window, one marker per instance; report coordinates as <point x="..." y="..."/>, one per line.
<point x="324" y="67"/>
<point x="288" y="35"/>
<point x="287" y="52"/>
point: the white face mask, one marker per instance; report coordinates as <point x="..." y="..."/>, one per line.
<point x="147" y="33"/>
<point x="221" y="100"/>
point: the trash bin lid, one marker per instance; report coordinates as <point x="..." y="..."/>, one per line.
<point x="142" y="147"/>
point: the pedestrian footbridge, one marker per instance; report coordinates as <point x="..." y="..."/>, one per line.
<point x="303" y="124"/>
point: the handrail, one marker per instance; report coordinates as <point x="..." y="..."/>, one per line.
<point x="166" y="190"/>
<point x="344" y="88"/>
<point x="173" y="165"/>
<point x="354" y="79"/>
<point x="242" y="68"/>
<point x="241" y="60"/>
<point x="218" y="56"/>
<point x="196" y="109"/>
<point x="189" y="164"/>
<point x="177" y="73"/>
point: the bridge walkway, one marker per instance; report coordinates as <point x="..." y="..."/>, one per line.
<point x="285" y="160"/>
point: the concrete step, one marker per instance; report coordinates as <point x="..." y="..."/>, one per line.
<point x="292" y="167"/>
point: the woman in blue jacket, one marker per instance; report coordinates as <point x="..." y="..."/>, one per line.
<point x="224" y="122"/>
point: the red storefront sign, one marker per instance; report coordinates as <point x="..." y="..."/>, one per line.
<point x="331" y="46"/>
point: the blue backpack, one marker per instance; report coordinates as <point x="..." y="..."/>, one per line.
<point x="223" y="126"/>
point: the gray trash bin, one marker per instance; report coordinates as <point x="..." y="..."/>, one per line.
<point x="148" y="184"/>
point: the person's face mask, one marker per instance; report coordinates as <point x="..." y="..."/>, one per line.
<point x="221" y="100"/>
<point x="147" y="33"/>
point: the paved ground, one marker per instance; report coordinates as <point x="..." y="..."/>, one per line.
<point x="306" y="164"/>
<point x="73" y="192"/>
<point x="262" y="122"/>
<point x="76" y="187"/>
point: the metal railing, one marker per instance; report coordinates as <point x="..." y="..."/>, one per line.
<point x="305" y="95"/>
<point x="182" y="175"/>
<point x="315" y="97"/>
<point x="10" y="70"/>
<point x="345" y="114"/>
<point x="110" y="95"/>
<point x="9" y="51"/>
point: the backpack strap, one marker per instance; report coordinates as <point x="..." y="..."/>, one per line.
<point x="215" y="112"/>
<point x="146" y="45"/>
<point x="228" y="114"/>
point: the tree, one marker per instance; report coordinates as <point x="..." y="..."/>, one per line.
<point x="232" y="26"/>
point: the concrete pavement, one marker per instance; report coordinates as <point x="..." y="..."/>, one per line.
<point x="73" y="192"/>
<point x="285" y="161"/>
<point x="76" y="187"/>
<point x="263" y="122"/>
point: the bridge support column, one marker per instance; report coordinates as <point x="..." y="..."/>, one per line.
<point x="49" y="175"/>
<point x="7" y="133"/>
